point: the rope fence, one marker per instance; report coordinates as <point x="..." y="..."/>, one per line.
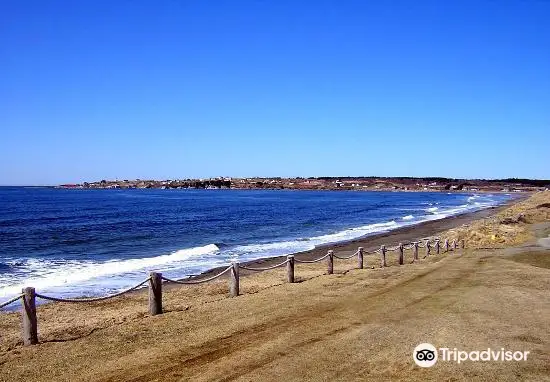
<point x="91" y="299"/>
<point x="346" y="257"/>
<point x="263" y="269"/>
<point x="194" y="282"/>
<point x="155" y="280"/>
<point x="11" y="301"/>
<point x="311" y="261"/>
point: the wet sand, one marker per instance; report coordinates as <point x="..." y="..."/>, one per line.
<point x="391" y="238"/>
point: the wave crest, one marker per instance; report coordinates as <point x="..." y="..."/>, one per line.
<point x="50" y="274"/>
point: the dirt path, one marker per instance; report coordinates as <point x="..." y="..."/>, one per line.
<point x="357" y="325"/>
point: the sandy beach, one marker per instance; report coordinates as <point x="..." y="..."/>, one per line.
<point x="357" y="324"/>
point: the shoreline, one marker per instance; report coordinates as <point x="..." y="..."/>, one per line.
<point x="369" y="242"/>
<point x="318" y="326"/>
<point x="435" y="190"/>
<point x="373" y="241"/>
<point x="392" y="237"/>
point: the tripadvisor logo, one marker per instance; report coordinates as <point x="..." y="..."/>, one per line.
<point x="426" y="355"/>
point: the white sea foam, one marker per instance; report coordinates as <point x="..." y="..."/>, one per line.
<point x="473" y="197"/>
<point x="73" y="277"/>
<point x="474" y="202"/>
<point x="354" y="233"/>
<point x="70" y="278"/>
<point x="255" y="251"/>
<point x="47" y="274"/>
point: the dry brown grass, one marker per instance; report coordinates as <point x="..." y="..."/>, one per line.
<point x="509" y="227"/>
<point x="355" y="325"/>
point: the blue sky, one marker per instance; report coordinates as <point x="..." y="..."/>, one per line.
<point x="94" y="90"/>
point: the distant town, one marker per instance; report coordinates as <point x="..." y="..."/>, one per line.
<point x="327" y="183"/>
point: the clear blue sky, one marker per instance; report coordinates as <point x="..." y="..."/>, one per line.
<point x="94" y="90"/>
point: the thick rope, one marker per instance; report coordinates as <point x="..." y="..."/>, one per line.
<point x="265" y="268"/>
<point x="198" y="281"/>
<point x="311" y="261"/>
<point x="11" y="301"/>
<point x="93" y="299"/>
<point x="346" y="257"/>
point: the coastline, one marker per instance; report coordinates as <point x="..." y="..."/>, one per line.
<point x="353" y="324"/>
<point x="371" y="183"/>
<point x="417" y="230"/>
<point x="369" y="242"/>
<point x="404" y="234"/>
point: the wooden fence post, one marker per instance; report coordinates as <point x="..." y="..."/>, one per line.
<point x="383" y="255"/>
<point x="330" y="262"/>
<point x="415" y="256"/>
<point x="234" y="280"/>
<point x="155" y="293"/>
<point x="437" y="247"/>
<point x="28" y="315"/>
<point x="428" y="247"/>
<point x="462" y="243"/>
<point x="360" y="258"/>
<point x="401" y="255"/>
<point x="290" y="269"/>
<point x="446" y="245"/>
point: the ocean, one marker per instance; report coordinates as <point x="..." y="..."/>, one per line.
<point x="74" y="243"/>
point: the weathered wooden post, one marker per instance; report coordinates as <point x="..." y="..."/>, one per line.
<point x="446" y="245"/>
<point x="155" y="293"/>
<point x="290" y="269"/>
<point x="437" y="246"/>
<point x="428" y="247"/>
<point x="360" y="258"/>
<point x="28" y="315"/>
<point x="383" y="255"/>
<point x="462" y="243"/>
<point x="234" y="280"/>
<point x="330" y="262"/>
<point x="401" y="255"/>
<point x="415" y="255"/>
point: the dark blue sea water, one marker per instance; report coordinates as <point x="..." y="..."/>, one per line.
<point x="89" y="242"/>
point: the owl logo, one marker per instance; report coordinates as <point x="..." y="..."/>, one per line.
<point x="425" y="355"/>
